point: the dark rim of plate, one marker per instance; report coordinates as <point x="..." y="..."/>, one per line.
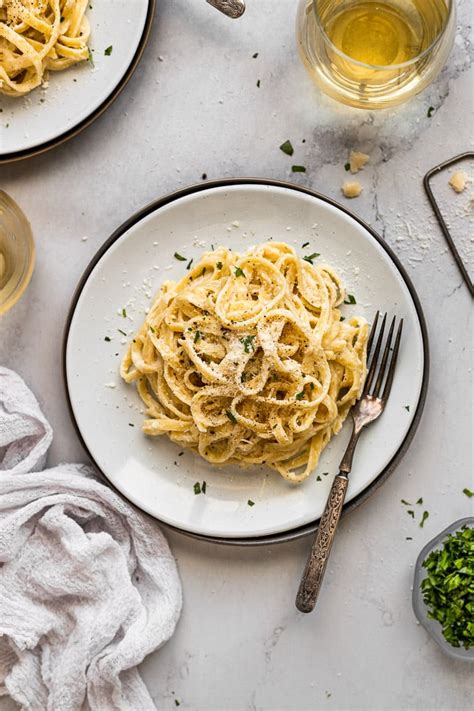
<point x="63" y="137"/>
<point x="384" y="474"/>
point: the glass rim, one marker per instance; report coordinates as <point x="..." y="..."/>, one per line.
<point x="385" y="67"/>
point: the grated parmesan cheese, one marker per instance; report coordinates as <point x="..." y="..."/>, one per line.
<point x="458" y="181"/>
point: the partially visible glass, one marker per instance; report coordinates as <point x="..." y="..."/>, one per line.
<point x="374" y="54"/>
<point x="17" y="252"/>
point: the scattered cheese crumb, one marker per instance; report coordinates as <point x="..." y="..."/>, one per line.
<point x="357" y="161"/>
<point x="351" y="188"/>
<point x="84" y="239"/>
<point x="458" y="181"/>
<point x="110" y="385"/>
<point x="236" y="223"/>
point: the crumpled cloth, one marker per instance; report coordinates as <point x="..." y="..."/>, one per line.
<point x="88" y="586"/>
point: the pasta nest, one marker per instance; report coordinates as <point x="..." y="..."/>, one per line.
<point x="247" y="359"/>
<point x="37" y="36"/>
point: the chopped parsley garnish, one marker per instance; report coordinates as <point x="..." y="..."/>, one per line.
<point x="219" y="265"/>
<point x="411" y="513"/>
<point x="231" y="416"/>
<point x="197" y="336"/>
<point x="238" y="272"/>
<point x="108" y="51"/>
<point x="350" y="299"/>
<point x="152" y="329"/>
<point x="287" y="148"/>
<point x="468" y="492"/>
<point x="408" y="538"/>
<point x="407" y="408"/>
<point x="176" y="702"/>
<point x="247" y="343"/>
<point x="258" y="83"/>
<point x="423" y="518"/>
<point x="197" y="488"/>
<point x="90" y="58"/>
<point x="325" y="473"/>
<point x="304" y="245"/>
<point x="405" y="503"/>
<point x="203" y="487"/>
<point x="347" y="167"/>
<point x="250" y="502"/>
<point x="179" y="257"/>
<point x="420" y="501"/>
<point x="130" y="424"/>
<point x="430" y="112"/>
<point x="298" y="169"/>
<point x="311" y="257"/>
<point x="318" y="478"/>
<point x="188" y="266"/>
<point x="107" y="339"/>
<point x="300" y="396"/>
<point x="254" y="56"/>
<point x="343" y="318"/>
<point x="124" y="313"/>
<point x="122" y="332"/>
<point x="448" y="589"/>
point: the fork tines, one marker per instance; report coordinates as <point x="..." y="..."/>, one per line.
<point x="384" y="368"/>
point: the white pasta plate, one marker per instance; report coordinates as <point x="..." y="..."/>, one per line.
<point x="152" y="472"/>
<point x="73" y="98"/>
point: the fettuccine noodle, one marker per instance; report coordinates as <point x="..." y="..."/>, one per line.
<point x="39" y="35"/>
<point x="246" y="360"/>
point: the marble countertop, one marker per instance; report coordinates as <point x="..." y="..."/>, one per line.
<point x="194" y="107"/>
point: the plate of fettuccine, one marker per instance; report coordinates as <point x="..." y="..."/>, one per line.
<point x="62" y="62"/>
<point x="216" y="345"/>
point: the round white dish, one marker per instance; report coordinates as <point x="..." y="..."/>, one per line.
<point x="126" y="273"/>
<point x="74" y="97"/>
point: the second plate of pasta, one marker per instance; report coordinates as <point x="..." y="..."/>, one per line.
<point x="233" y="320"/>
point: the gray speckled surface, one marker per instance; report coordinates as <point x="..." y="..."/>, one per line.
<point x="240" y="643"/>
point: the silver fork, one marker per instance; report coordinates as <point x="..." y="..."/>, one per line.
<point x="366" y="410"/>
<point x="231" y="8"/>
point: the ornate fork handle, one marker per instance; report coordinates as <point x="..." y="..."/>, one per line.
<point x="319" y="555"/>
<point x="231" y="8"/>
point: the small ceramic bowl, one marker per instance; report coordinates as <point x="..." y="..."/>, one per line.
<point x="421" y="611"/>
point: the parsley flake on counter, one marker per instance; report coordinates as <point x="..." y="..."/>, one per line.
<point x="197" y="488"/>
<point x="247" y="343"/>
<point x="430" y="112"/>
<point x="298" y="169"/>
<point x="306" y="244"/>
<point x="411" y="513"/>
<point x="325" y="473"/>
<point x="408" y="538"/>
<point x="124" y="313"/>
<point x="468" y="492"/>
<point x="108" y="51"/>
<point x="238" y="272"/>
<point x="90" y="58"/>
<point x="203" y="487"/>
<point x="188" y="265"/>
<point x="122" y="332"/>
<point x="311" y="257"/>
<point x="350" y="299"/>
<point x="107" y="339"/>
<point x="347" y="167"/>
<point x="250" y="502"/>
<point x="423" y="518"/>
<point x="448" y="588"/>
<point x="231" y="416"/>
<point x="318" y="478"/>
<point x="130" y="424"/>
<point x="405" y="503"/>
<point x="254" y="56"/>
<point x="179" y="257"/>
<point x="420" y="501"/>
<point x="176" y="702"/>
<point x="258" y="83"/>
<point x="287" y="148"/>
<point x="407" y="408"/>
